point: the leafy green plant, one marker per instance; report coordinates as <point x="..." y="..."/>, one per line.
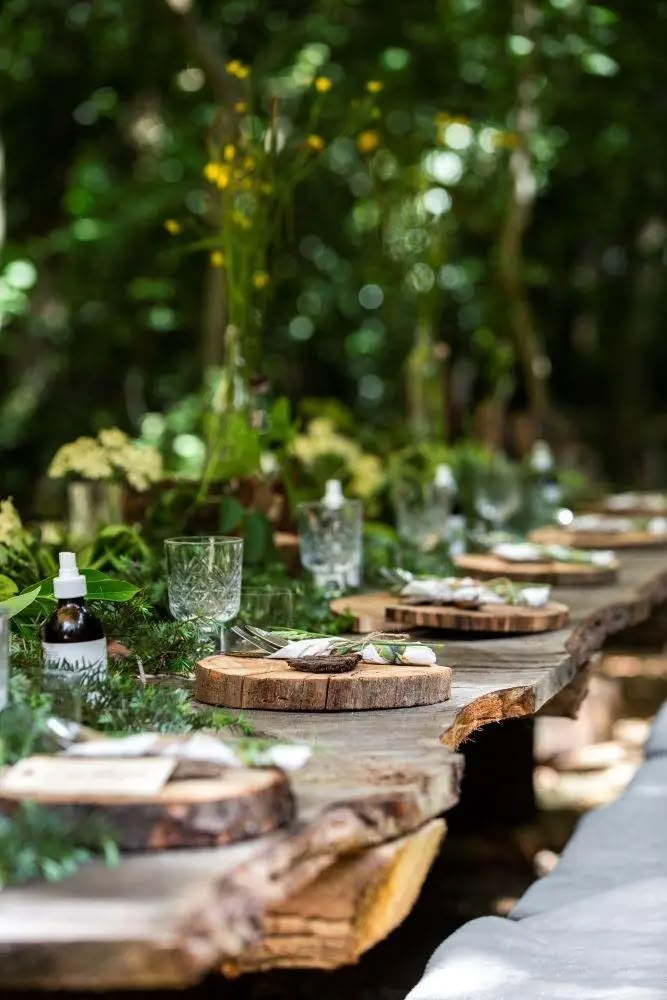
<point x="36" y="843"/>
<point x="39" y="599"/>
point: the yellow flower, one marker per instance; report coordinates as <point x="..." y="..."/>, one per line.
<point x="238" y="69"/>
<point x="11" y="528"/>
<point x="260" y="279"/>
<point x="374" y="86"/>
<point x="217" y="258"/>
<point x="240" y="107"/>
<point x="211" y="172"/>
<point x="222" y="178"/>
<point x="241" y="220"/>
<point x="322" y="84"/>
<point x="315" y="142"/>
<point x="173" y="227"/>
<point x="229" y="152"/>
<point x="113" y="439"/>
<point x="368" y="140"/>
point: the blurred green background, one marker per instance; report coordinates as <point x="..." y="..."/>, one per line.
<point x="525" y="296"/>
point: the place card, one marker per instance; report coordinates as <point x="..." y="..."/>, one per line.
<point x="87" y="779"/>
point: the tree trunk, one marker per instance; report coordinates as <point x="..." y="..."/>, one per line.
<point x="534" y="363"/>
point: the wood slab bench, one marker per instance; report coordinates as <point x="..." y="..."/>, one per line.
<point x="322" y="891"/>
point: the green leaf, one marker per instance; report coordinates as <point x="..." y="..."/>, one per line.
<point x="101" y="587"/>
<point x="15" y="605"/>
<point x="107" y="588"/>
<point x="231" y="515"/>
<point x="258" y="537"/>
<point x="7" y="588"/>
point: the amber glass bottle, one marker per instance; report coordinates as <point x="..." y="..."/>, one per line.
<point x="73" y="637"/>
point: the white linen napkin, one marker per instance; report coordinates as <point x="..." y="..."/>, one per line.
<point x="372" y="650"/>
<point x="467" y="592"/>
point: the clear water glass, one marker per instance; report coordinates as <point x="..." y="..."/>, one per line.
<point x="204" y="579"/>
<point x="267" y="607"/>
<point x="330" y="541"/>
<point x="4" y="660"/>
<point x="422" y="512"/>
<point x="497" y="491"/>
<point x="264" y="607"/>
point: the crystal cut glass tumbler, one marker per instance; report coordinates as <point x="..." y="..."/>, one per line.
<point x="330" y="541"/>
<point x="204" y="578"/>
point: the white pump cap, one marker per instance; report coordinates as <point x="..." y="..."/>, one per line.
<point x="333" y="493"/>
<point x="444" y="477"/>
<point x="69" y="582"/>
<point x="541" y="457"/>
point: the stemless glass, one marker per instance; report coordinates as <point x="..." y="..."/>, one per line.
<point x="267" y="607"/>
<point x="204" y="579"/>
<point x="422" y="510"/>
<point x="330" y="541"/>
<point x="264" y="607"/>
<point x="497" y="489"/>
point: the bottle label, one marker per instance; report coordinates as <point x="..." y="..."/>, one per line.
<point x="88" y="658"/>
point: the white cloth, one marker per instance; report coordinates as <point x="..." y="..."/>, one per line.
<point x="372" y="651"/>
<point x="467" y="592"/>
<point x="531" y="552"/>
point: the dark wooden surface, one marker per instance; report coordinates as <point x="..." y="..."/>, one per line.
<point x="164" y="919"/>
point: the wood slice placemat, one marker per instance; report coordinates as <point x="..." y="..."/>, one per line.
<point x="598" y="539"/>
<point x="564" y="574"/>
<point x="374" y="612"/>
<point x="201" y="812"/>
<point x="249" y="682"/>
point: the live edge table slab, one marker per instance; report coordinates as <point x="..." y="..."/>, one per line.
<point x="322" y="891"/>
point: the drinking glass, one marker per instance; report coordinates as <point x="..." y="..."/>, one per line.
<point x="204" y="579"/>
<point x="267" y="607"/>
<point x="422" y="510"/>
<point x="4" y="660"/>
<point x="264" y="607"/>
<point x="497" y="491"/>
<point x="330" y="541"/>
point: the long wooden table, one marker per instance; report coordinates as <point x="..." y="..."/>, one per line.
<point x="349" y="870"/>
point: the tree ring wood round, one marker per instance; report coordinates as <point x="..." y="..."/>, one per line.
<point x="234" y="682"/>
<point x="499" y="618"/>
<point x="201" y="812"/>
<point x="487" y="567"/>
<point x="598" y="539"/>
<point x="374" y="612"/>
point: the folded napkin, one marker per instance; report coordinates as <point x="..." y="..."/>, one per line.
<point x="618" y="525"/>
<point x="619" y="502"/>
<point x="372" y="650"/>
<point x="532" y="552"/>
<point x="202" y="747"/>
<point x="467" y="592"/>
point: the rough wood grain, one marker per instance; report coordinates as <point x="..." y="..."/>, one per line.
<point x="241" y="803"/>
<point x="164" y="919"/>
<point x="489" y="618"/>
<point x="349" y="908"/>
<point x="238" y="682"/>
<point x="599" y="539"/>
<point x="487" y="567"/>
<point x="383" y="611"/>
